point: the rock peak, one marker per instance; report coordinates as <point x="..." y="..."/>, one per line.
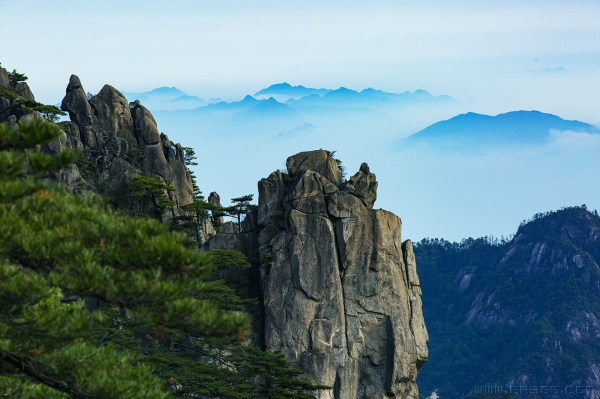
<point x="74" y="83"/>
<point x="319" y="161"/>
<point x="340" y="289"/>
<point x="363" y="185"/>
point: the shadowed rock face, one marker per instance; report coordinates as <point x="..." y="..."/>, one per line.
<point x="341" y="293"/>
<point x="11" y="106"/>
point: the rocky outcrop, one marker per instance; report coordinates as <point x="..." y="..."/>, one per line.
<point x="317" y="161"/>
<point x="12" y="94"/>
<point x="23" y="90"/>
<point x="341" y="293"/>
<point x="76" y="104"/>
<point x="215" y="199"/>
<point x="115" y="142"/>
<point x="122" y="142"/>
<point x="4" y="81"/>
<point x="363" y="185"/>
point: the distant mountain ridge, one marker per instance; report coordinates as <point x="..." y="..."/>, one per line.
<point x="166" y="98"/>
<point x="372" y="98"/>
<point x="517" y="127"/>
<point x="285" y="89"/>
<point x="518" y="313"/>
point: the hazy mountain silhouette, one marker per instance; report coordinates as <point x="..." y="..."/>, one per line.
<point x="236" y="106"/>
<point x="559" y="70"/>
<point x="160" y="93"/>
<point x="517" y="127"/>
<point x="166" y="98"/>
<point x="372" y="98"/>
<point x="289" y="91"/>
<point x="271" y="107"/>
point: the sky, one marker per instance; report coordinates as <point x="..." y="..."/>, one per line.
<point x="489" y="53"/>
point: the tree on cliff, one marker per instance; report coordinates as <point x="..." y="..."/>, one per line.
<point x="56" y="247"/>
<point x="193" y="217"/>
<point x="146" y="190"/>
<point x="241" y="206"/>
<point x="15" y="77"/>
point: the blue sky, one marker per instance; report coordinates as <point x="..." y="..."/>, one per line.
<point x="479" y="50"/>
<point x="466" y="49"/>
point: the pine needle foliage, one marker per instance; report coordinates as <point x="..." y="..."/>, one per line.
<point x="56" y="246"/>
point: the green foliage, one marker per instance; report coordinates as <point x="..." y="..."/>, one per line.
<point x="230" y="270"/>
<point x="213" y="366"/>
<point x="54" y="246"/>
<point x="268" y="258"/>
<point x="15" y="77"/>
<point x="189" y="156"/>
<point x="150" y="190"/>
<point x="132" y="104"/>
<point x="220" y="368"/>
<point x="222" y="259"/>
<point x="50" y="112"/>
<point x="192" y="218"/>
<point x="342" y="168"/>
<point x="6" y="93"/>
<point x="525" y="303"/>
<point x="241" y="206"/>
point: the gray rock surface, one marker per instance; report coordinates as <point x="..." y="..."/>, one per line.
<point x="215" y="199"/>
<point x="147" y="131"/>
<point x="111" y="112"/>
<point x="23" y="90"/>
<point x="76" y="104"/>
<point x="318" y="161"/>
<point x="341" y="293"/>
<point x="122" y="143"/>
<point x="4" y="81"/>
<point x="363" y="185"/>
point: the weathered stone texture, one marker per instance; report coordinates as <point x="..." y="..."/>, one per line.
<point x="215" y="199"/>
<point x="363" y="185"/>
<point x="318" y="161"/>
<point x="340" y="289"/>
<point x="23" y="90"/>
<point x="111" y="113"/>
<point x="4" y="81"/>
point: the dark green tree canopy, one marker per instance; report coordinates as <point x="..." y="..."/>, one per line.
<point x="55" y="246"/>
<point x="241" y="206"/>
<point x="15" y="77"/>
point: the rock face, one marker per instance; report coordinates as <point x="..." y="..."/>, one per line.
<point x="215" y="199"/>
<point x="116" y="142"/>
<point x="341" y="293"/>
<point x="125" y="142"/>
<point x="4" y="81"/>
<point x="11" y="95"/>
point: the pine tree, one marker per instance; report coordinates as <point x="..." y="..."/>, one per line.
<point x="241" y="206"/>
<point x="146" y="190"/>
<point x="216" y="367"/>
<point x="55" y="248"/>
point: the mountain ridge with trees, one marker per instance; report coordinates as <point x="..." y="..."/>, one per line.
<point x="520" y="311"/>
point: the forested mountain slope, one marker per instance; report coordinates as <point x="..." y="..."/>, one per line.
<point x="524" y="312"/>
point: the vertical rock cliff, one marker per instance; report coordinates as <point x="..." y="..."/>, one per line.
<point x="340" y="290"/>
